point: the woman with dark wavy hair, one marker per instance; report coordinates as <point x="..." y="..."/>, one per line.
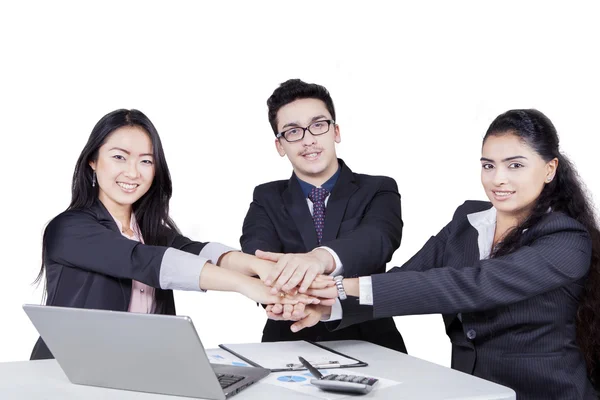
<point x="517" y="279"/>
<point x="116" y="248"/>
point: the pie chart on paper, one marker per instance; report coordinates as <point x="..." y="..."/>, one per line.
<point x="291" y="378"/>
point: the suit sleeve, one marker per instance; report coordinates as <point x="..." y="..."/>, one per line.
<point x="372" y="244"/>
<point x="212" y="251"/>
<point x="180" y="242"/>
<point x="557" y="257"/>
<point x="430" y="256"/>
<point x="77" y="240"/>
<point x="258" y="231"/>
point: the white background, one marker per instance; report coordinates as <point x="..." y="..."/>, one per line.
<point x="415" y="85"/>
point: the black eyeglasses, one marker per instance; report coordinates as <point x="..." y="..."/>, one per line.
<point x="297" y="133"/>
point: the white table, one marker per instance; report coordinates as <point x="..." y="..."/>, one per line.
<point x="420" y="379"/>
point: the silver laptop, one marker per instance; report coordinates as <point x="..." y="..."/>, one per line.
<point x="143" y="352"/>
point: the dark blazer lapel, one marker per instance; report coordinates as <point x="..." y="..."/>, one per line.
<point x="338" y="200"/>
<point x="104" y="217"/>
<point x="295" y="203"/>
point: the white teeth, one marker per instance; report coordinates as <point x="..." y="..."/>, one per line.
<point x="127" y="186"/>
<point x="311" y="155"/>
<point x="503" y="193"/>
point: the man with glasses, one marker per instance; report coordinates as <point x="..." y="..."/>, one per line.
<point x="324" y="220"/>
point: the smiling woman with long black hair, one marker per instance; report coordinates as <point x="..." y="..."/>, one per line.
<point x="116" y="248"/>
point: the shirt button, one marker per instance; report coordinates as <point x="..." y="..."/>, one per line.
<point x="142" y="290"/>
<point x="471" y="334"/>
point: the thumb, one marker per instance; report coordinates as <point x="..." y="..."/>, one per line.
<point x="310" y="320"/>
<point x="327" y="302"/>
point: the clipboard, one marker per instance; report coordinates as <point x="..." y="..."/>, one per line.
<point x="283" y="356"/>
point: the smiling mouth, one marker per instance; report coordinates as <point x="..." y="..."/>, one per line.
<point x="503" y="193"/>
<point x="128" y="186"/>
<point x="312" y="155"/>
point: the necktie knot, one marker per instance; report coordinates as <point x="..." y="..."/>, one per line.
<point x="318" y="195"/>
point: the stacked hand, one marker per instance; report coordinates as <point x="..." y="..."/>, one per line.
<point x="296" y="270"/>
<point x="291" y="281"/>
<point x="299" y="279"/>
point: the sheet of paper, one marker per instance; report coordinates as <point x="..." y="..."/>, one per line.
<point x="280" y="355"/>
<point x="300" y="382"/>
<point x="220" y="356"/>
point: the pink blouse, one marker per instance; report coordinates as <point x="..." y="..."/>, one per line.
<point x="142" y="295"/>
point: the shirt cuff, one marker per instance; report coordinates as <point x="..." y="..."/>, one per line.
<point x="213" y="251"/>
<point x="336" y="312"/>
<point x="180" y="270"/>
<point x="339" y="268"/>
<point x="365" y="291"/>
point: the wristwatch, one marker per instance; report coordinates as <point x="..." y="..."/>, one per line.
<point x="340" y="287"/>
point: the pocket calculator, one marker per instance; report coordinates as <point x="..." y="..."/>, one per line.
<point x="345" y="383"/>
<point x="340" y="382"/>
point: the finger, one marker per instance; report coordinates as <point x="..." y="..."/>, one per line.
<point x="276" y="317"/>
<point x="310" y="320"/>
<point x="267" y="255"/>
<point x="327" y="302"/>
<point x="274" y="274"/>
<point x="296" y="278"/>
<point x="302" y="298"/>
<point x="322" y="281"/>
<point x="319" y="284"/>
<point x="286" y="300"/>
<point x="298" y="312"/>
<point x="285" y="275"/>
<point x="287" y="311"/>
<point x="277" y="308"/>
<point x="327" y="293"/>
<point x="299" y="298"/>
<point x="325" y="277"/>
<point x="309" y="277"/>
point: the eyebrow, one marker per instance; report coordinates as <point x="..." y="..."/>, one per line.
<point x="313" y="119"/>
<point x="128" y="152"/>
<point x="506" y="159"/>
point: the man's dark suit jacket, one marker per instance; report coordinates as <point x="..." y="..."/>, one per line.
<point x="518" y="310"/>
<point x="90" y="264"/>
<point x="363" y="225"/>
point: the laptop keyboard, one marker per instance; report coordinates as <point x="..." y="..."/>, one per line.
<point x="228" y="380"/>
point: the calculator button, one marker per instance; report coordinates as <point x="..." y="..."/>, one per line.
<point x="340" y="377"/>
<point x="331" y="377"/>
<point x="357" y="379"/>
<point x="348" y="378"/>
<point x="364" y="380"/>
<point x="372" y="381"/>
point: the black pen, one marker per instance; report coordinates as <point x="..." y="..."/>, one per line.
<point x="325" y="364"/>
<point x="312" y="369"/>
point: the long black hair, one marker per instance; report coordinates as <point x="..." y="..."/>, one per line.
<point x="565" y="193"/>
<point x="152" y="209"/>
